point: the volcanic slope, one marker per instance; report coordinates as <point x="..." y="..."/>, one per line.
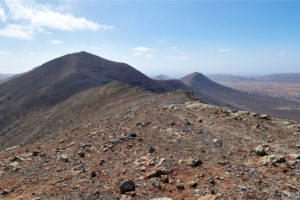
<point x="214" y="93"/>
<point x="163" y="145"/>
<point x="42" y="88"/>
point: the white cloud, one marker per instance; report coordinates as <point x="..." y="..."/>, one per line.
<point x="142" y="49"/>
<point x="30" y="17"/>
<point x="17" y="31"/>
<point x="2" y="15"/>
<point x="5" y="53"/>
<point x="283" y="53"/>
<point x="174" y="47"/>
<point x="56" y="42"/>
<point x="137" y="54"/>
<point x="178" y="57"/>
<point x="224" y="50"/>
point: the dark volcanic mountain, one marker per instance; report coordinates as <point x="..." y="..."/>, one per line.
<point x="62" y="77"/>
<point x="212" y="92"/>
<point x="57" y="80"/>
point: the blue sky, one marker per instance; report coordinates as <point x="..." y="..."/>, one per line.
<point x="156" y="37"/>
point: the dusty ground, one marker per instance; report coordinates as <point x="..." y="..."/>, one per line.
<point x="169" y="146"/>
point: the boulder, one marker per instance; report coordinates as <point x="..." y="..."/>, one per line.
<point x="127" y="186"/>
<point x="260" y="150"/>
<point x="274" y="158"/>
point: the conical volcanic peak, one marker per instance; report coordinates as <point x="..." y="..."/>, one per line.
<point x="197" y="79"/>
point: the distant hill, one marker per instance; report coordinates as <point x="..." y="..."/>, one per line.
<point x="280" y="78"/>
<point x="276" y="78"/>
<point x="212" y="92"/>
<point x="229" y="78"/>
<point x="161" y="77"/>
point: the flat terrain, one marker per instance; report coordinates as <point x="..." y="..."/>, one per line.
<point x="289" y="91"/>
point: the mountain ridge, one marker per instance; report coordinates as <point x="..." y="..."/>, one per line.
<point x="212" y="92"/>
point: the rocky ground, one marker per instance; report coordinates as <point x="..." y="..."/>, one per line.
<point x="158" y="149"/>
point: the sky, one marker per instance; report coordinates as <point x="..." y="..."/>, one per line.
<point x="155" y="36"/>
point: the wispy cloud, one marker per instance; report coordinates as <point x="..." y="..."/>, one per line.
<point x="18" y="31"/>
<point x="283" y="53"/>
<point x="30" y="17"/>
<point x="178" y="57"/>
<point x="174" y="47"/>
<point x="2" y="15"/>
<point x="143" y="51"/>
<point x="137" y="54"/>
<point x="224" y="50"/>
<point x="5" y="53"/>
<point x="56" y="42"/>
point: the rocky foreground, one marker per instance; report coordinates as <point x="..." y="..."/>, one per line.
<point x="160" y="150"/>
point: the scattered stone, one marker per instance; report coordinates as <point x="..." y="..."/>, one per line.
<point x="274" y="158"/>
<point x="163" y="198"/>
<point x="5" y="192"/>
<point x="294" y="156"/>
<point x="81" y="154"/>
<point x="143" y="169"/>
<point x="156" y="185"/>
<point x="179" y="185"/>
<point x="35" y="153"/>
<point x="115" y="141"/>
<point x="264" y="116"/>
<point x="64" y="158"/>
<point x="132" y="135"/>
<point x="193" y="184"/>
<point x="242" y="187"/>
<point x="172" y="124"/>
<point x="260" y="150"/>
<point x="164" y="178"/>
<point x="126" y="197"/>
<point x="93" y="174"/>
<point x="161" y="161"/>
<point x="195" y="162"/>
<point x="151" y="149"/>
<point x="101" y="162"/>
<point x="14" y="166"/>
<point x="187" y="122"/>
<point x="127" y="186"/>
<point x="298" y="146"/>
<point x="211" y="181"/>
<point x="157" y="173"/>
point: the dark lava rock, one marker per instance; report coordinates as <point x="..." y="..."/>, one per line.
<point x="127" y="186"/>
<point x="93" y="174"/>
<point x="151" y="149"/>
<point x="195" y="162"/>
